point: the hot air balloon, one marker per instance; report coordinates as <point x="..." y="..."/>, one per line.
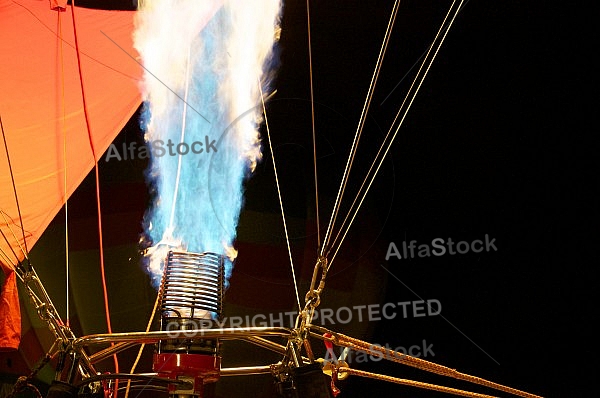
<point x="53" y="130"/>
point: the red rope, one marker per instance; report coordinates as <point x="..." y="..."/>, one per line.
<point x="99" y="210"/>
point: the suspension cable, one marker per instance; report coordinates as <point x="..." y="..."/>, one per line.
<point x="4" y="215"/>
<point x="10" y="247"/>
<point x="183" y="122"/>
<point x="7" y="259"/>
<point x="139" y="354"/>
<point x="312" y="113"/>
<point x="401" y="115"/>
<point x="14" y="186"/>
<point x="287" y="239"/>
<point x="97" y="176"/>
<point x="360" y="126"/>
<point x="343" y="340"/>
<point x="65" y="180"/>
<point x="412" y="383"/>
<point x="14" y="264"/>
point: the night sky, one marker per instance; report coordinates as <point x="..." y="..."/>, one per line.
<point x="496" y="143"/>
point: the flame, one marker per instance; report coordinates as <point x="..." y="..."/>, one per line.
<point x="204" y="61"/>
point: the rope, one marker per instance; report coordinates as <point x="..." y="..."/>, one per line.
<point x="287" y="239"/>
<point x="172" y="217"/>
<point x="14" y="186"/>
<point x="413" y="383"/>
<point x="398" y="357"/>
<point x="9" y="246"/>
<point x="410" y="96"/>
<point x="65" y="181"/>
<point x="139" y="354"/>
<point x="359" y="129"/>
<point x="6" y="258"/>
<point x="185" y="106"/>
<point x="13" y="235"/>
<point x="312" y="113"/>
<point x="96" y="172"/>
<point x="4" y="215"/>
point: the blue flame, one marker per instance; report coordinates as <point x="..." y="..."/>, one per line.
<point x="197" y="181"/>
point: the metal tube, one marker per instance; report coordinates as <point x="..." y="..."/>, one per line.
<point x="85" y="365"/>
<point x="155" y="336"/>
<point x="73" y="368"/>
<point x="246" y="370"/>
<point x="271" y="345"/>
<point x="44" y="304"/>
<point x="108" y="352"/>
<point x="268" y="344"/>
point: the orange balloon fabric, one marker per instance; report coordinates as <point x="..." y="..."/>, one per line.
<point x="10" y="314"/>
<point x="42" y="114"/>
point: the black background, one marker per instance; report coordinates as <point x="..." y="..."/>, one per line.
<point x="497" y="142"/>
